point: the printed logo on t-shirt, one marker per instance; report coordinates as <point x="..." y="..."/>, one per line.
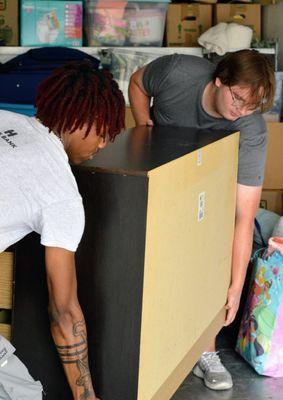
<point x="6" y="135"/>
<point x="3" y="352"/>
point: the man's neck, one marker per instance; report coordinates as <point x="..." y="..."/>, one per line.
<point x="208" y="100"/>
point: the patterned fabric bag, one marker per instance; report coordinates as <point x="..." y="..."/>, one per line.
<point x="260" y="338"/>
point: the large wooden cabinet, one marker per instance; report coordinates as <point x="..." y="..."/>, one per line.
<point x="153" y="265"/>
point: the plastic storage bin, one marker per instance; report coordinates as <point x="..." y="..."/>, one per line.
<point x="120" y="23"/>
<point x="55" y="23"/>
<point x="26" y="109"/>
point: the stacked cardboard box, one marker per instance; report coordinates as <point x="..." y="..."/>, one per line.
<point x="272" y="200"/>
<point x="9" y="27"/>
<point x="272" y="194"/>
<point x="244" y="14"/>
<point x="186" y="22"/>
<point x="268" y="2"/>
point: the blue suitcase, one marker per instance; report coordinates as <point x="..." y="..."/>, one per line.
<point x="26" y="109"/>
<point x="20" y="76"/>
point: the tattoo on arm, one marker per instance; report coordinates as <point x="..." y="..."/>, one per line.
<point x="77" y="354"/>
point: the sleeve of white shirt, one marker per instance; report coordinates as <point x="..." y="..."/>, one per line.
<point x="63" y="224"/>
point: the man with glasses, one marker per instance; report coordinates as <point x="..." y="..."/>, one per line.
<point x="190" y="91"/>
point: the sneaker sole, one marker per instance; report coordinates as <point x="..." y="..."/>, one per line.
<point x="197" y="371"/>
<point x="223" y="386"/>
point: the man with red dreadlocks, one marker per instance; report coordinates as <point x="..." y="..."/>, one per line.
<point x="78" y="109"/>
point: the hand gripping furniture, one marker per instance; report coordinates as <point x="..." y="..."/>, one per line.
<point x="153" y="265"/>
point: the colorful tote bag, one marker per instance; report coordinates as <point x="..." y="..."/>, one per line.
<point x="260" y="338"/>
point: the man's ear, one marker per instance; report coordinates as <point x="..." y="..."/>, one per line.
<point x="218" y="82"/>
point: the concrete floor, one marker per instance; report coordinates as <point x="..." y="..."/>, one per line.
<point x="248" y="385"/>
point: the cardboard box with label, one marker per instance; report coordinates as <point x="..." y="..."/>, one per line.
<point x="245" y="14"/>
<point x="186" y="22"/>
<point x="9" y="26"/>
<point x="272" y="200"/>
<point x="274" y="161"/>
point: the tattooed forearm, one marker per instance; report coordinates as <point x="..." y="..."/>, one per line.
<point x="72" y="353"/>
<point x="84" y="379"/>
<point x="80" y="329"/>
<point x="76" y="354"/>
<point x="68" y="356"/>
<point x="71" y="346"/>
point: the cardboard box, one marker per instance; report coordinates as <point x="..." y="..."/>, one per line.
<point x="274" y="162"/>
<point x="52" y="23"/>
<point x="186" y="22"/>
<point x="272" y="200"/>
<point x="268" y="2"/>
<point x="9" y="26"/>
<point x="245" y="14"/>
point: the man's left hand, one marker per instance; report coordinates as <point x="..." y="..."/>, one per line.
<point x="232" y="305"/>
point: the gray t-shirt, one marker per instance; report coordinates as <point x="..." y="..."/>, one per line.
<point x="177" y="83"/>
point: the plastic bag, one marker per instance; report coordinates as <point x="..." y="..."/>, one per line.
<point x="15" y="380"/>
<point x="260" y="338"/>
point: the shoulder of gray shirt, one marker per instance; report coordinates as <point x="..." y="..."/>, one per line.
<point x="251" y="127"/>
<point x="183" y="66"/>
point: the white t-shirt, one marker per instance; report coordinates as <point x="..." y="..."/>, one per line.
<point x="38" y="191"/>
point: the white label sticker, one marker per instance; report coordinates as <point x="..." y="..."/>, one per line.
<point x="199" y="157"/>
<point x="201" y="206"/>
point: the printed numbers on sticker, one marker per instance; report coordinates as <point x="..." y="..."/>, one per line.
<point x="201" y="206"/>
<point x="199" y="157"/>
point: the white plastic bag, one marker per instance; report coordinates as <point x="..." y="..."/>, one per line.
<point x="15" y="380"/>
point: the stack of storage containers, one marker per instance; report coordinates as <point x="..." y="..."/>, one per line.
<point x="9" y="26"/>
<point x="125" y="23"/>
<point x="51" y="22"/>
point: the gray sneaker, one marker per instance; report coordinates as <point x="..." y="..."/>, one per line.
<point x="213" y="372"/>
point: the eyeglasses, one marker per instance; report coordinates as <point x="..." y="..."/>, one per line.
<point x="240" y="103"/>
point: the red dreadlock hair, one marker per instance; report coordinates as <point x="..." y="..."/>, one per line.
<point x="75" y="95"/>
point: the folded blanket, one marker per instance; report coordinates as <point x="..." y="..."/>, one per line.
<point x="224" y="37"/>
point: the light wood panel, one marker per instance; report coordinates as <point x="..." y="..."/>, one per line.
<point x="185" y="285"/>
<point x="5" y="330"/>
<point x="181" y="371"/>
<point x="6" y="280"/>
